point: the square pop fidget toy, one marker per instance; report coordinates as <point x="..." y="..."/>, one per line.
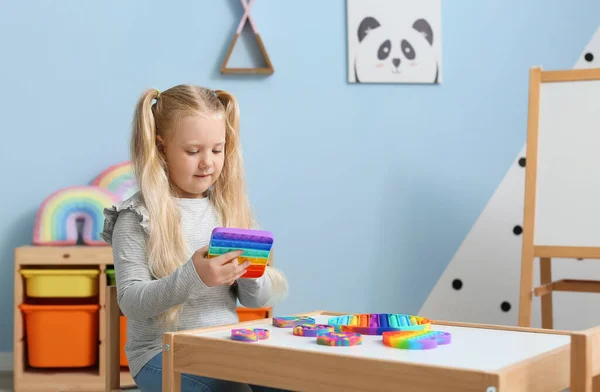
<point x="256" y="245"/>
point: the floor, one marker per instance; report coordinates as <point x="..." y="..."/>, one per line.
<point x="6" y="383"/>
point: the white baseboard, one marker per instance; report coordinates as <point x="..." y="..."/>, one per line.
<point x="6" y="362"/>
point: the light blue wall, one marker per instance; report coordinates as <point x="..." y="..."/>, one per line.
<point x="369" y="188"/>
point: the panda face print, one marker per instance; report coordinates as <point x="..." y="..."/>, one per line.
<point x="391" y="54"/>
<point x="384" y="55"/>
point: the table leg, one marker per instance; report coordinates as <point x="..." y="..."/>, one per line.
<point x="171" y="379"/>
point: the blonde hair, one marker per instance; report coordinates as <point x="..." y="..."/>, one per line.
<point x="157" y="114"/>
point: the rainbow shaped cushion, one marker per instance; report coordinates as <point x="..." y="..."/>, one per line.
<point x="119" y="179"/>
<point x="56" y="219"/>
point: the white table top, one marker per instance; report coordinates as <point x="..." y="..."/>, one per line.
<point x="471" y="348"/>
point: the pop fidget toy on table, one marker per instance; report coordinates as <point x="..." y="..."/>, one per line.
<point x="339" y="339"/>
<point x="292" y="321"/>
<point x="250" y="335"/>
<point x="256" y="245"/>
<point x="415" y="340"/>
<point x="311" y="330"/>
<point x="378" y="323"/>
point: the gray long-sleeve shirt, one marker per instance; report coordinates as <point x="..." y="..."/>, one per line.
<point x="142" y="298"/>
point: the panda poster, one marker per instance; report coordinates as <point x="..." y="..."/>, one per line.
<point x="394" y="41"/>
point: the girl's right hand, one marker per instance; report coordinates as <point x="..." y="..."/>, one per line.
<point x="223" y="269"/>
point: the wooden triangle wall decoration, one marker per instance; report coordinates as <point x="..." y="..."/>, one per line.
<point x="256" y="70"/>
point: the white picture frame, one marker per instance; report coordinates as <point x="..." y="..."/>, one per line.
<point x="394" y="41"/>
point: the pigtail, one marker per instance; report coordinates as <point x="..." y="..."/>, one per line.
<point x="230" y="197"/>
<point x="166" y="246"/>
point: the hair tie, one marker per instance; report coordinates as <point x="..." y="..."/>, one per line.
<point x="214" y="93"/>
<point x="157" y="93"/>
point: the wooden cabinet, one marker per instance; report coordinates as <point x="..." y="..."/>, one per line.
<point x="80" y="275"/>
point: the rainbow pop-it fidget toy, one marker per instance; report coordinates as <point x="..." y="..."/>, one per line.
<point x="256" y="245"/>
<point x="416" y="340"/>
<point x="292" y="321"/>
<point x="250" y="335"/>
<point x="339" y="339"/>
<point x="378" y="323"/>
<point x="311" y="330"/>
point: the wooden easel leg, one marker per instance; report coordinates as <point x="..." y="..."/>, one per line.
<point x="527" y="251"/>
<point x="546" y="278"/>
<point x="525" y="297"/>
<point x="171" y="381"/>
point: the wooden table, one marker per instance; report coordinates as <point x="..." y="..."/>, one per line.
<point x="481" y="358"/>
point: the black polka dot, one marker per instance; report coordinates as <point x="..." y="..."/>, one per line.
<point x="589" y="57"/>
<point x="522" y="162"/>
<point x="517" y="230"/>
<point x="505" y="306"/>
<point x="457" y="284"/>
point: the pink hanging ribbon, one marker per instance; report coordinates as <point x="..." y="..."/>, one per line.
<point x="247" y="15"/>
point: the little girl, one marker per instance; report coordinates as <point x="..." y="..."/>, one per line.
<point x="186" y="155"/>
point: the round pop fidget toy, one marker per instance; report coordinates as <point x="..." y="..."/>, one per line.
<point x="378" y="323"/>
<point x="311" y="330"/>
<point x="339" y="339"/>
<point x="292" y="321"/>
<point x="415" y="340"/>
<point x="249" y="335"/>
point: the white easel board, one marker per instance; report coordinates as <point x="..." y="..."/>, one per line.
<point x="567" y="201"/>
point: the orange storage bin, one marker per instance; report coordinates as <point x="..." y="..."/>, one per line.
<point x="61" y="336"/>
<point x="123" y="340"/>
<point x="247" y="314"/>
